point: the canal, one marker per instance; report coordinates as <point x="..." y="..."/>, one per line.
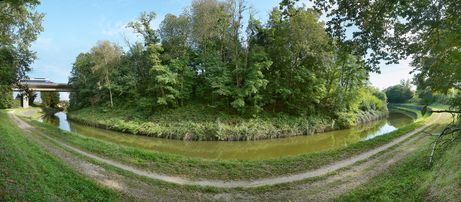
<point x="244" y="150"/>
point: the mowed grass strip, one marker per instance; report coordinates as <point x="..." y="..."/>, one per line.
<point x="28" y="173"/>
<point x="197" y="168"/>
<point x="413" y="180"/>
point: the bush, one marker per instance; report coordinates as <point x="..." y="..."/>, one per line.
<point x="399" y="93"/>
<point x="50" y="99"/>
<point x="6" y="97"/>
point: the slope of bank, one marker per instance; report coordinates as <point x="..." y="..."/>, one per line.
<point x="414" y="180"/>
<point x="28" y="173"/>
<point x="199" y="122"/>
<point x="197" y="168"/>
<point x="325" y="188"/>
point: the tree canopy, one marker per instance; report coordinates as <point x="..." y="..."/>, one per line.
<point x="400" y="93"/>
<point x="19" y="24"/>
<point x="49" y="99"/>
<point x="387" y="30"/>
<point x="209" y="55"/>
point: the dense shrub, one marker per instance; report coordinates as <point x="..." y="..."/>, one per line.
<point x="199" y="122"/>
<point x="399" y="93"/>
<point x="6" y="97"/>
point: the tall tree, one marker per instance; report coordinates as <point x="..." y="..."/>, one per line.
<point x="105" y="56"/>
<point x="84" y="82"/>
<point x="165" y="81"/>
<point x="143" y="26"/>
<point x="175" y="33"/>
<point x="20" y="25"/>
<point x="299" y="48"/>
<point x="216" y="26"/>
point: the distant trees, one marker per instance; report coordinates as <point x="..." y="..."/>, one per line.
<point x="50" y="99"/>
<point x="20" y="24"/>
<point x="399" y="93"/>
<point x="208" y="55"/>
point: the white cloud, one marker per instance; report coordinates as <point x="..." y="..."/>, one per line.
<point x="45" y="44"/>
<point x="392" y="74"/>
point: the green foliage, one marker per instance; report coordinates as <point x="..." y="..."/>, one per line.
<point x="144" y="28"/>
<point x="399" y="93"/>
<point x="199" y="122"/>
<point x="165" y="81"/>
<point x="372" y="102"/>
<point x="105" y="56"/>
<point x="6" y="97"/>
<point x="389" y="31"/>
<point x="50" y="99"/>
<point x="208" y="56"/>
<point x="20" y="25"/>
<point x="85" y="81"/>
<point x="297" y="82"/>
<point x="427" y="96"/>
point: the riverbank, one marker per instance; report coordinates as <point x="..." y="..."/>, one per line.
<point x="414" y="180"/>
<point x="198" y="122"/>
<point x="326" y="187"/>
<point x="28" y="173"/>
<point x="196" y="168"/>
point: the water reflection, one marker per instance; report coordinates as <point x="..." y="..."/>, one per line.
<point x="248" y="150"/>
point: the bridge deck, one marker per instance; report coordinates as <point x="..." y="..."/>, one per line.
<point x="40" y="86"/>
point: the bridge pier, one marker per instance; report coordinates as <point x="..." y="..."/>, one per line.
<point x="25" y="101"/>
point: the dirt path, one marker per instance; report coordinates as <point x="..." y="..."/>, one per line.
<point x="233" y="184"/>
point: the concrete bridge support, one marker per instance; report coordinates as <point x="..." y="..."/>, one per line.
<point x="25" y="101"/>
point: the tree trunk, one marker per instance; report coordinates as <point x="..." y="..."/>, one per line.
<point x="110" y="95"/>
<point x="110" y="91"/>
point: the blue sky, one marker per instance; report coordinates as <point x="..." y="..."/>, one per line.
<point x="74" y="26"/>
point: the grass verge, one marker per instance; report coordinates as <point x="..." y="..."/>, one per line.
<point x="217" y="169"/>
<point x="28" y="173"/>
<point x="413" y="180"/>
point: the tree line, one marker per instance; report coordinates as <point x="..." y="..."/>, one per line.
<point x="209" y="55"/>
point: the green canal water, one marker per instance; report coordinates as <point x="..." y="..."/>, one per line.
<point x="244" y="150"/>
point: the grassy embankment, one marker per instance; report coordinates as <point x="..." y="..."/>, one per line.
<point x="28" y="173"/>
<point x="218" y="169"/>
<point x="413" y="180"/>
<point x="199" y="122"/>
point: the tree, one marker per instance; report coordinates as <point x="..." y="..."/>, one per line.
<point x="105" y="56"/>
<point x="399" y="93"/>
<point x="299" y="48"/>
<point x="20" y="24"/>
<point x="250" y="81"/>
<point x="50" y="99"/>
<point x="388" y="30"/>
<point x="144" y="27"/>
<point x="208" y="55"/>
<point x="165" y="81"/>
<point x="175" y="33"/>
<point x="84" y="81"/>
